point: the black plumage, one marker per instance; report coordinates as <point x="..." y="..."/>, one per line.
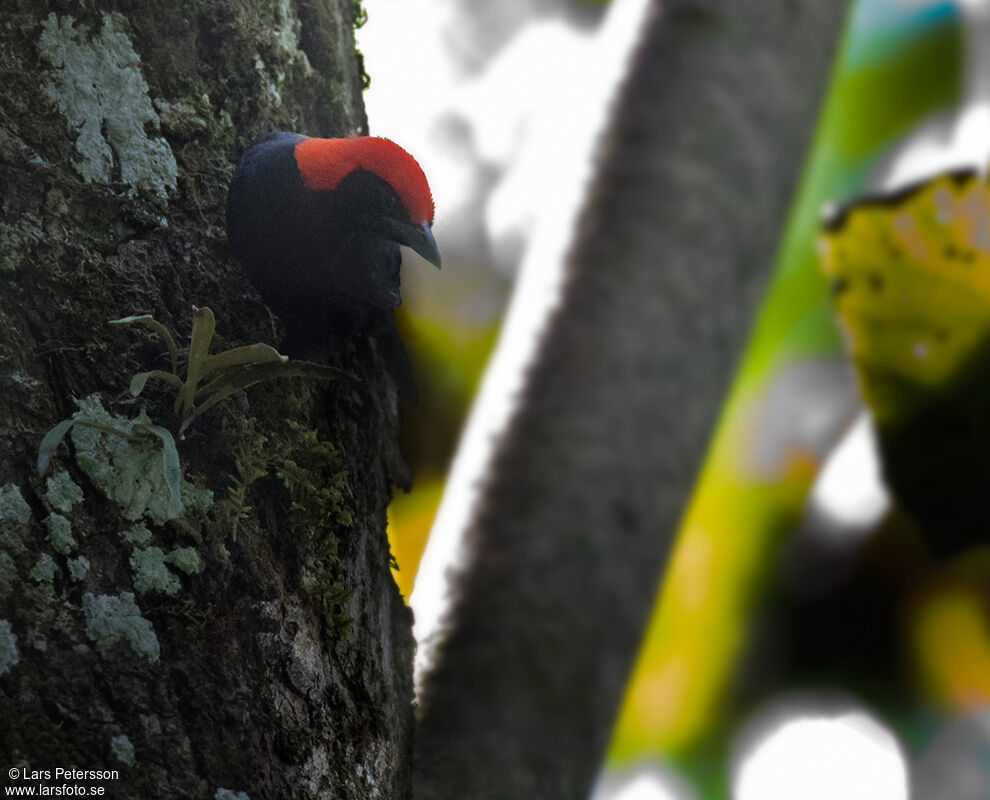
<point x="325" y="260"/>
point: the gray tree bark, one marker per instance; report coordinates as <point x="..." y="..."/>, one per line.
<point x="693" y="185"/>
<point x="254" y="642"/>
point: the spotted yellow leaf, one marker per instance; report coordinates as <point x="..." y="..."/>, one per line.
<point x="910" y="277"/>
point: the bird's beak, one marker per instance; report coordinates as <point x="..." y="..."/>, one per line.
<point x="418" y="238"/>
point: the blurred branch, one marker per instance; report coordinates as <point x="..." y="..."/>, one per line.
<point x="671" y="253"/>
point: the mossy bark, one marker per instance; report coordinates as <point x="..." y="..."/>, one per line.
<point x="255" y="643"/>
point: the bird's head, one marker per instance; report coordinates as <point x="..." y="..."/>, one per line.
<point x="385" y="188"/>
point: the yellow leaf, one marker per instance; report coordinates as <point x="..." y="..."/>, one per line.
<point x="910" y="277"/>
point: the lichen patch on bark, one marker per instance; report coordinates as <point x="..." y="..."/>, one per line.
<point x="96" y="82"/>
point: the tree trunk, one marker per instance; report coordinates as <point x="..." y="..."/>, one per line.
<point x="248" y="638"/>
<point x="680" y="231"/>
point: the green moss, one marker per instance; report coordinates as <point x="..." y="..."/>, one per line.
<point x="151" y="574"/>
<point x="252" y="457"/>
<point x="137" y="535"/>
<point x="13" y="507"/>
<point x="8" y="575"/>
<point x="98" y="86"/>
<point x="78" y="567"/>
<point x="185" y="118"/>
<point x="314" y="476"/>
<point x="122" y="750"/>
<point x="8" y="648"/>
<point x="312" y="472"/>
<point x="186" y="559"/>
<point x="359" y="15"/>
<point x="17" y="243"/>
<point x="359" y="18"/>
<point x="61" y="492"/>
<point x="110" y="620"/>
<point x="44" y="570"/>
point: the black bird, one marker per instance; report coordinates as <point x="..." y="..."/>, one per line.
<point x="316" y="224"/>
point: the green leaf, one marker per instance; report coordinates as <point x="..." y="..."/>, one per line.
<point x="123" y="433"/>
<point x="51" y="440"/>
<point x="138" y="381"/>
<point x="238" y="356"/>
<point x="238" y="379"/>
<point x="150" y="322"/>
<point x="204" y="326"/>
<point x="220" y="379"/>
<point x="170" y="465"/>
<point x="54" y="438"/>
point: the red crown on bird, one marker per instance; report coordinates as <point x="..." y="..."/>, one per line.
<point x="323" y="163"/>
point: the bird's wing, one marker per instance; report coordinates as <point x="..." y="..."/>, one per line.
<point x="396" y="361"/>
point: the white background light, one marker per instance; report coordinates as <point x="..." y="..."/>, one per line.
<point x="646" y="782"/>
<point x="849" y="489"/>
<point x="807" y="756"/>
